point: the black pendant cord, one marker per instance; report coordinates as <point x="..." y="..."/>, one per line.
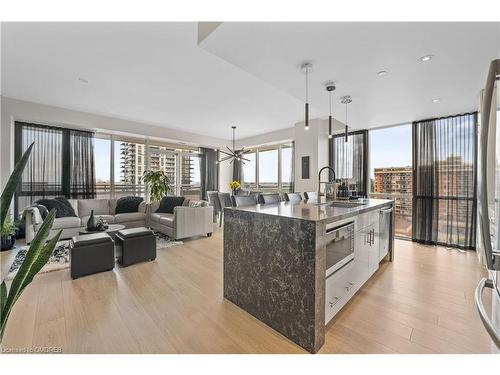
<point x="330" y="116"/>
<point x="346" y="127"/>
<point x="307" y="100"/>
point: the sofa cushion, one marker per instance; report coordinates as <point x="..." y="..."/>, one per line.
<point x="100" y="207"/>
<point x="110" y="219"/>
<point x="168" y="221"/>
<point x="168" y="203"/>
<point x="66" y="222"/>
<point x="130" y="216"/>
<point x="156" y="216"/>
<point x="128" y="204"/>
<point x="63" y="207"/>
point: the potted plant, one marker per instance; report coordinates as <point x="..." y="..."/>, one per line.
<point x="38" y="253"/>
<point x="158" y="184"/>
<point x="234" y="186"/>
<point x="8" y="232"/>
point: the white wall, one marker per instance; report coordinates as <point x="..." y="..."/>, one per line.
<point x="312" y="143"/>
<point x="13" y="109"/>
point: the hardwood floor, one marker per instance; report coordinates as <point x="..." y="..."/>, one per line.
<point x="421" y="303"/>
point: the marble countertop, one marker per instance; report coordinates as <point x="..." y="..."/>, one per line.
<point x="312" y="211"/>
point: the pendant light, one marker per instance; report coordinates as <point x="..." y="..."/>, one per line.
<point x="306" y="69"/>
<point x="346" y="99"/>
<point x="233" y="154"/>
<point x="330" y="86"/>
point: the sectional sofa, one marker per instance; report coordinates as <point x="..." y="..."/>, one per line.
<point x="192" y="219"/>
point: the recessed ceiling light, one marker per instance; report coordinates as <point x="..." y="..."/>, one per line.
<point x="426" y="58"/>
<point x="382" y="73"/>
<point x="436" y="100"/>
<point x="83" y="80"/>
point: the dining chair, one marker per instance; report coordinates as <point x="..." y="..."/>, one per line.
<point x="244" y="200"/>
<point x="213" y="199"/>
<point x="271" y="198"/>
<point x="225" y="201"/>
<point x="293" y="197"/>
<point x="311" y="195"/>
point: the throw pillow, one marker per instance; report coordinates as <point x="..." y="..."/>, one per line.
<point x="62" y="209"/>
<point x="42" y="209"/>
<point x="167" y="204"/>
<point x="128" y="204"/>
<point x="196" y="204"/>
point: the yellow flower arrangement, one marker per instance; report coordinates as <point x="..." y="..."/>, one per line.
<point x="234" y="185"/>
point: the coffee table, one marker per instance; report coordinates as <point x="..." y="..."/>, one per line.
<point x="112" y="229"/>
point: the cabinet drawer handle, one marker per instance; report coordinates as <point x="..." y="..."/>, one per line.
<point x="333" y="303"/>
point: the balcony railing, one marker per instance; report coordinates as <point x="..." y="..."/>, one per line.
<point x="402" y="209"/>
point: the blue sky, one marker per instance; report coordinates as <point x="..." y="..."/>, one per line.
<point x="390" y="147"/>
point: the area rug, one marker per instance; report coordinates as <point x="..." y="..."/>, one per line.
<point x="60" y="257"/>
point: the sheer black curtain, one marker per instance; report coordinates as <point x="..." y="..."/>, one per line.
<point x="81" y="165"/>
<point x="237" y="170"/>
<point x="209" y="171"/>
<point x="61" y="163"/>
<point x="350" y="159"/>
<point x="444" y="181"/>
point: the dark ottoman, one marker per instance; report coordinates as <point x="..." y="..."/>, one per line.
<point x="135" y="245"/>
<point x="91" y="253"/>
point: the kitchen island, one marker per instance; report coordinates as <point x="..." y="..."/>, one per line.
<point x="293" y="266"/>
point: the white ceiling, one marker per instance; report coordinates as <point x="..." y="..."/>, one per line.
<point x="247" y="73"/>
<point x="351" y="54"/>
<point x="149" y="72"/>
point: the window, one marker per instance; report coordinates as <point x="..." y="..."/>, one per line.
<point x="350" y="160"/>
<point x="287" y="167"/>
<point x="102" y="155"/>
<point x="268" y="169"/>
<point x="249" y="168"/>
<point x="190" y="176"/>
<point x="129" y="166"/>
<point x="391" y="172"/>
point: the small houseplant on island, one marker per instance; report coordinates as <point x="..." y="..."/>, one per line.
<point x="234" y="186"/>
<point x="38" y="252"/>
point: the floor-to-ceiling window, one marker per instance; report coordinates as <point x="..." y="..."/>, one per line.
<point x="269" y="168"/>
<point x="129" y="165"/>
<point x="249" y="171"/>
<point x="102" y="156"/>
<point x="391" y="172"/>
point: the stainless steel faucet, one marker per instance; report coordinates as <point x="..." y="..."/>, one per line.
<point x="319" y="178"/>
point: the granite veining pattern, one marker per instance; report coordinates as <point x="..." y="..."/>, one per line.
<point x="275" y="263"/>
<point x="273" y="271"/>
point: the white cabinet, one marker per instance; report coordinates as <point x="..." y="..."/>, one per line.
<point x="338" y="289"/>
<point x="341" y="285"/>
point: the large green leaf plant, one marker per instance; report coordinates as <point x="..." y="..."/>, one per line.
<point x="158" y="184"/>
<point x="37" y="255"/>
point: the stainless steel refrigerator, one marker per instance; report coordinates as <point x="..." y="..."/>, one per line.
<point x="489" y="201"/>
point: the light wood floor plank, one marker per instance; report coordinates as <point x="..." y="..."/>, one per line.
<point x="420" y="303"/>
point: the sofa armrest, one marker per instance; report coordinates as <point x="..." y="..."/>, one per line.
<point x="193" y="221"/>
<point x="142" y="207"/>
<point x="33" y="215"/>
<point x="32" y="218"/>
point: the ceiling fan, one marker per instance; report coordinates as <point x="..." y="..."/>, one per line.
<point x="233" y="154"/>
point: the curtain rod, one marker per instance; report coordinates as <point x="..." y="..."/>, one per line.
<point x="52" y="127"/>
<point x="446" y="117"/>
